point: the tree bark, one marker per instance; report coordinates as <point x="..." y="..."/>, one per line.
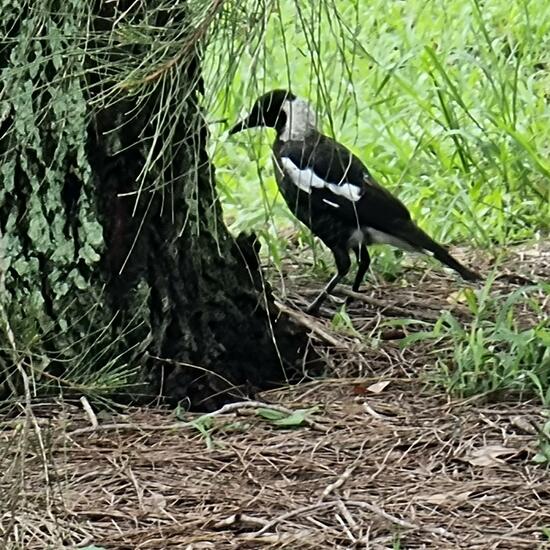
<point x="113" y="260"/>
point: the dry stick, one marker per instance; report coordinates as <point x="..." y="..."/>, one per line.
<point x="292" y="513"/>
<point x="309" y="323"/>
<point x="346" y="515"/>
<point x="402" y="523"/>
<point x="371" y="507"/>
<point x="372" y="412"/>
<point x="382" y="513"/>
<point x="240" y="518"/>
<point x="352" y="526"/>
<point x="344" y="476"/>
<point x="278" y="538"/>
<point x="89" y="411"/>
<point x="392" y="310"/>
<point x="346" y="529"/>
<point x="230" y="407"/>
<point x="338" y="483"/>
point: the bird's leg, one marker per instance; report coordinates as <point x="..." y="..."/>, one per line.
<point x="363" y="263"/>
<point x="343" y="264"/>
<point x="313" y="308"/>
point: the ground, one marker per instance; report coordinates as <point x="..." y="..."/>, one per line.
<point x="385" y="460"/>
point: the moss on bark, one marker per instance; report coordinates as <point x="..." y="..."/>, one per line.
<point x="115" y="255"/>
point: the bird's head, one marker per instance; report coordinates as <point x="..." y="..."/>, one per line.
<point x="270" y="109"/>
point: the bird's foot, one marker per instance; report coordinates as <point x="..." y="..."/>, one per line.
<point x="313" y="308"/>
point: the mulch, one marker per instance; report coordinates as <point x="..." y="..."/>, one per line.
<point x="382" y="459"/>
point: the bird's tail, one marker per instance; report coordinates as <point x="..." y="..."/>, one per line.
<point x="420" y="240"/>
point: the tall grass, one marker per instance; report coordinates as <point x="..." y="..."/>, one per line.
<point x="446" y="101"/>
<point x="505" y="349"/>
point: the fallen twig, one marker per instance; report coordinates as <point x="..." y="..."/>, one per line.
<point x="389" y="308"/>
<point x="292" y="513"/>
<point x="402" y="523"/>
<point x="339" y="482"/>
<point x="229" y="408"/>
<point x="310" y="324"/>
<point x="240" y="518"/>
<point x="89" y="411"/>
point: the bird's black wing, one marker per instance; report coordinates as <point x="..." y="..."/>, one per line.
<point x="340" y="186"/>
<point x="338" y="181"/>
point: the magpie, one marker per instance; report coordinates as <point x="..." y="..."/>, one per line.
<point x="333" y="193"/>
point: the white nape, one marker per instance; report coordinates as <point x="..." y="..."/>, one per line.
<point x="300" y="120"/>
<point x="306" y="180"/>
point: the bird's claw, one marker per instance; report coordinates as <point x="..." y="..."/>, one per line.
<point x="315" y="306"/>
<point x="312" y="309"/>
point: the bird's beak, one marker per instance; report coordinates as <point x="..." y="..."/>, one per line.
<point x="251" y="121"/>
<point x="239" y="127"/>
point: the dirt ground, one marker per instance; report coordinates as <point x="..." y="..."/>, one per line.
<point x="383" y="461"/>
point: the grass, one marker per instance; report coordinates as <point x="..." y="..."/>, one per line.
<point x="495" y="353"/>
<point x="505" y="348"/>
<point x="447" y="103"/>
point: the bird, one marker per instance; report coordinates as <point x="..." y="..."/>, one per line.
<point x="332" y="192"/>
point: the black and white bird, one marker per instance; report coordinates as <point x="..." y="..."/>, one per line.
<point x="332" y="192"/>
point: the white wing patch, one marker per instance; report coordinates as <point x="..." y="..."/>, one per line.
<point x="330" y="203"/>
<point x="303" y="179"/>
<point x="348" y="190"/>
<point x="306" y="180"/>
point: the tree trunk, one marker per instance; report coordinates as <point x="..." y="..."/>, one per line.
<point x="114" y="250"/>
